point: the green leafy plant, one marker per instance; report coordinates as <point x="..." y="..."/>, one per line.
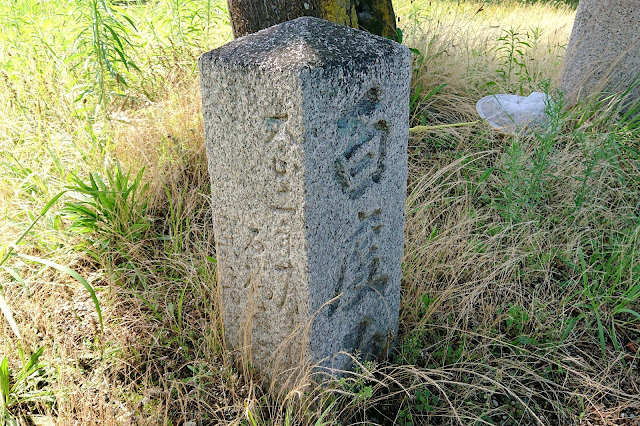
<point x="357" y="385"/>
<point x="517" y="319"/>
<point x="188" y="23"/>
<point x="425" y="400"/>
<point x="27" y="385"/>
<point x="606" y="292"/>
<point x="409" y="350"/>
<point x="422" y="402"/>
<point x="527" y="179"/>
<point x="103" y="46"/>
<point x="419" y="100"/>
<point x="512" y="200"/>
<point x="512" y="52"/>
<point x="109" y="210"/>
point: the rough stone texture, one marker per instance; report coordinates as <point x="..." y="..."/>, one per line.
<point x="604" y="50"/>
<point x="306" y="127"/>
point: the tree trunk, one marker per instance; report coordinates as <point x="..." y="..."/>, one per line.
<point x="604" y="50"/>
<point x="375" y="16"/>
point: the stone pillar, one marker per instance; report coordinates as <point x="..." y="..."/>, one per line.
<point x="306" y="127"/>
<point x="604" y="50"/>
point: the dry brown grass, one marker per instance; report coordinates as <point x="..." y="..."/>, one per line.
<point x="481" y="270"/>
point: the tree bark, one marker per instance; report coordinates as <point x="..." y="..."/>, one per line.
<point x="375" y="16"/>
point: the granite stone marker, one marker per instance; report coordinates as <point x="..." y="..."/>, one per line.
<point x="306" y="127"/>
<point x="603" y="54"/>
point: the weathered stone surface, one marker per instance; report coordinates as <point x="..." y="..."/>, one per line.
<point x="604" y="50"/>
<point x="306" y="127"/>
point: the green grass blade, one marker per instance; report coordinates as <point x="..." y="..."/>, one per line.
<point x="56" y="161"/>
<point x="631" y="312"/>
<point x="571" y="324"/>
<point x="31" y="365"/>
<point x="18" y="278"/>
<point x="614" y="336"/>
<point x="583" y="263"/>
<point x="180" y="303"/>
<point x="252" y="420"/>
<point x="30" y="368"/>
<point x="126" y="18"/>
<point x="73" y="274"/>
<point x="4" y="386"/>
<point x="603" y="344"/>
<point x="44" y="211"/>
<point x="6" y="310"/>
<point x="631" y="295"/>
<point x="82" y="211"/>
<point x="320" y="422"/>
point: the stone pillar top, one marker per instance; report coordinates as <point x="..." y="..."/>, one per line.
<point x="305" y="42"/>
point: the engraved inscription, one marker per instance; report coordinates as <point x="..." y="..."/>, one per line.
<point x="361" y="270"/>
<point x="280" y="256"/>
<point x="268" y="246"/>
<point x="362" y="163"/>
<point x="365" y="338"/>
<point x="269" y="266"/>
<point x="283" y="149"/>
<point x="258" y="248"/>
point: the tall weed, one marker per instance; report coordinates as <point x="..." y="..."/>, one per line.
<point x="103" y="47"/>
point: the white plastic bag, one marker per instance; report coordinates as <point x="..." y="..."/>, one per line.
<point x="510" y="113"/>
